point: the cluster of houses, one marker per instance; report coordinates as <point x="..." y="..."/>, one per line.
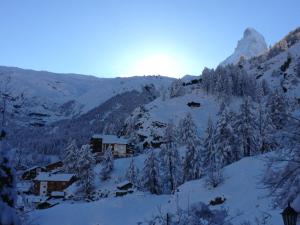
<point x="51" y="181"/>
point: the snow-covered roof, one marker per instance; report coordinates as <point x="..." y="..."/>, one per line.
<point x="34" y="167"/>
<point x="58" y="193"/>
<point x="111" y="139"/>
<point x="124" y="183"/>
<point x="54" y="177"/>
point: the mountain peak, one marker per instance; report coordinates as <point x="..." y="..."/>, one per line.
<point x="252" y="44"/>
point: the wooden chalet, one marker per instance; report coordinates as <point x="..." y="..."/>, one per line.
<point x="32" y="172"/>
<point x="119" y="145"/>
<point x="54" y="166"/>
<point x="46" y="183"/>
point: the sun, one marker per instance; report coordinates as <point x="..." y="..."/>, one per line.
<point x="158" y="64"/>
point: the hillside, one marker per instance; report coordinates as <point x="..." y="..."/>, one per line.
<point x="246" y="200"/>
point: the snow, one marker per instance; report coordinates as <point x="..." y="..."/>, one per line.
<point x="127" y="210"/>
<point x="252" y="44"/>
<point x="174" y="109"/>
<point x="111" y="139"/>
<point x="57" y="194"/>
<point x="246" y="199"/>
<point x="54" y="177"/>
<point x="61" y="96"/>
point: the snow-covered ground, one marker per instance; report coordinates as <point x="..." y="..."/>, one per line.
<point x="246" y="199"/>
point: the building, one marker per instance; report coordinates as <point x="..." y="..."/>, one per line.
<point x="46" y="183"/>
<point x="119" y="145"/>
<point x="54" y="166"/>
<point x="32" y="172"/>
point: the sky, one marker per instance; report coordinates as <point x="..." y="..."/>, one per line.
<point x="110" y="38"/>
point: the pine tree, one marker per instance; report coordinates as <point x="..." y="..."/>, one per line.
<point x="177" y="88"/>
<point x="224" y="138"/>
<point x="71" y="157"/>
<point x="266" y="129"/>
<point x="282" y="175"/>
<point x="188" y="136"/>
<point x="187" y="131"/>
<point x="150" y="179"/>
<point x="86" y="169"/>
<point x="278" y="109"/>
<point x="246" y="128"/>
<point x="8" y="215"/>
<point x="211" y="158"/>
<point x="170" y="160"/>
<point x="107" y="164"/>
<point x="132" y="173"/>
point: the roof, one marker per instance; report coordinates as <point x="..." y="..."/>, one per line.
<point x="124" y="183"/>
<point x="34" y="167"/>
<point x="54" y="177"/>
<point x="111" y="139"/>
<point x="57" y="193"/>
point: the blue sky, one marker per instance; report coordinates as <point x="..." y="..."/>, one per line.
<point x="131" y="37"/>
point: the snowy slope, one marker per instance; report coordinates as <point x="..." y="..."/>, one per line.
<point x="245" y="200"/>
<point x="59" y="96"/>
<point x="252" y="44"/>
<point x="151" y="123"/>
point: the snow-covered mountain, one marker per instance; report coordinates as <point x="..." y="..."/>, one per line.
<point x="252" y="44"/>
<point x="49" y="97"/>
<point x="280" y="65"/>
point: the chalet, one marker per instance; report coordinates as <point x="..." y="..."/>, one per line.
<point x="32" y="172"/>
<point x="54" y="166"/>
<point x="194" y="104"/>
<point x="124" y="188"/>
<point x="119" y="145"/>
<point x="46" y="183"/>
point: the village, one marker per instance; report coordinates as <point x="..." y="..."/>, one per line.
<point x="45" y="186"/>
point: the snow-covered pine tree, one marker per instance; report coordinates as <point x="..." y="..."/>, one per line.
<point x="71" y="157"/>
<point x="8" y="195"/>
<point x="282" y="175"/>
<point x="177" y="88"/>
<point x="187" y="134"/>
<point x="224" y="138"/>
<point x="212" y="165"/>
<point x="132" y="173"/>
<point x="246" y="128"/>
<point x="187" y="130"/>
<point x="150" y="179"/>
<point x="107" y="164"/>
<point x="266" y="129"/>
<point x="86" y="169"/>
<point x="171" y="168"/>
<point x="278" y="108"/>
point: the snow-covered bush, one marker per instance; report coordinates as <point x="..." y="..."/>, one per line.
<point x="197" y="214"/>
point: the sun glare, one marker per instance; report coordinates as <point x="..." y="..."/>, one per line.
<point x="159" y="64"/>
